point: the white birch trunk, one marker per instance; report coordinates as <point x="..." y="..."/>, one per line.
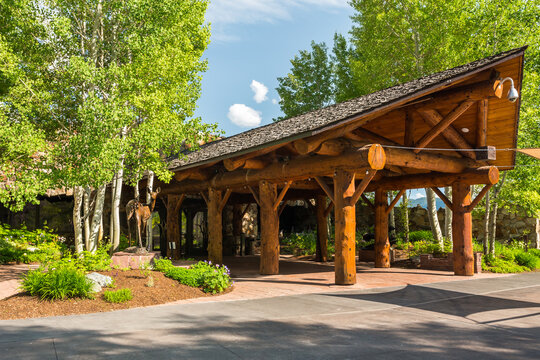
<point x="433" y="219"/>
<point x="448" y="215"/>
<point x="86" y="213"/>
<point x="149" y="238"/>
<point x="111" y="215"/>
<point x="116" y="207"/>
<point x="78" y="194"/>
<point x="485" y="242"/>
<point x="96" y="218"/>
<point x="405" y="206"/>
<point x="536" y="243"/>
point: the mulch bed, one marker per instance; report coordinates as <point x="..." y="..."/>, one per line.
<point x="165" y="290"/>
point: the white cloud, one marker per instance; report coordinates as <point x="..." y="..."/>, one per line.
<point x="259" y="90"/>
<point x="275" y="101"/>
<point x="243" y="115"/>
<point x="418" y="195"/>
<point x="226" y="12"/>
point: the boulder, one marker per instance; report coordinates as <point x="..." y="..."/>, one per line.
<point x="99" y="281"/>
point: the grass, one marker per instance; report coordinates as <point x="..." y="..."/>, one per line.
<point x="118" y="296"/>
<point x="60" y="283"/>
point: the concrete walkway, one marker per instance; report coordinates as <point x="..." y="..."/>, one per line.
<point x="491" y="318"/>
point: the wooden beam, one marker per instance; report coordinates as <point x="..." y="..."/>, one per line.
<point x="328" y="209"/>
<point x="332" y="147"/>
<point x="322" y="229"/>
<point x="204" y="196"/>
<point x="481" y="123"/>
<point x="374" y="137"/>
<point x="367" y="201"/>
<point x="282" y="194"/>
<point x="484" y="175"/>
<point x="408" y="138"/>
<point x="173" y="227"/>
<point x="327" y="190"/>
<point x="427" y="161"/>
<point x="394" y="202"/>
<point x="239" y="161"/>
<point x="194" y="174"/>
<point x="443" y="197"/>
<point x="345" y="226"/>
<point x="252" y="163"/>
<point x="443" y="124"/>
<point x="462" y="230"/>
<point x="362" y="186"/>
<point x="450" y="134"/>
<point x="224" y="200"/>
<point x="282" y="207"/>
<point x="179" y="203"/>
<point x="269" y="259"/>
<point x="255" y="196"/>
<point x="382" y="244"/>
<point x="479" y="197"/>
<point x="244" y="212"/>
<point x="215" y="227"/>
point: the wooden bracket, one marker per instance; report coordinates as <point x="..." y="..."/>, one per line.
<point x="282" y="194"/>
<point x="255" y="195"/>
<point x="244" y="211"/>
<point x="179" y="203"/>
<point x="362" y="186"/>
<point x="224" y="199"/>
<point x="328" y="209"/>
<point x="443" y="197"/>
<point x="394" y="202"/>
<point x="281" y="208"/>
<point x="325" y="188"/>
<point x="367" y="201"/>
<point x="479" y="197"/>
<point x="204" y="196"/>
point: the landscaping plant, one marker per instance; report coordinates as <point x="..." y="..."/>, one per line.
<point x="118" y="296"/>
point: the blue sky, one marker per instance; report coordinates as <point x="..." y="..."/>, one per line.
<point x="252" y="43"/>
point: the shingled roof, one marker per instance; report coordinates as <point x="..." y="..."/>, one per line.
<point x="316" y="121"/>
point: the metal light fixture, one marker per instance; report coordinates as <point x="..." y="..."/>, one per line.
<point x="513" y="94"/>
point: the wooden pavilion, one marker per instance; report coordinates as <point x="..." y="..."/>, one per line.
<point x="436" y="131"/>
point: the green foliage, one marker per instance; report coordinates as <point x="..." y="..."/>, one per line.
<point x="529" y="260"/>
<point x="419" y="235"/>
<point x="511" y="259"/>
<point x="59" y="283"/>
<point x="500" y="265"/>
<point x="210" y="278"/>
<point x="118" y="296"/>
<point x="22" y="245"/>
<point x="299" y="244"/>
<point x="100" y="260"/>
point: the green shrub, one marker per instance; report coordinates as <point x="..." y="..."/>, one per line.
<point x="58" y="283"/>
<point x="118" y="296"/>
<point x="21" y="245"/>
<point x="535" y="252"/>
<point x="424" y="235"/>
<point x="526" y="259"/>
<point x="500" y="265"/>
<point x="162" y="265"/>
<point x="300" y="244"/>
<point x="100" y="260"/>
<point x="210" y="278"/>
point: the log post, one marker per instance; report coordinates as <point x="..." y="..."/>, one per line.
<point x="462" y="230"/>
<point x="322" y="229"/>
<point x="173" y="227"/>
<point x="269" y="229"/>
<point x="215" y="233"/>
<point x="237" y="225"/>
<point x="345" y="219"/>
<point x="382" y="245"/>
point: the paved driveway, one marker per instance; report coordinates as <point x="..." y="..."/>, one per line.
<point x="495" y="318"/>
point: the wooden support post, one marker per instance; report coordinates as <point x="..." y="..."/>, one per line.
<point x="322" y="229"/>
<point x="173" y="226"/>
<point x="382" y="245"/>
<point x="481" y="123"/>
<point x="238" y="214"/>
<point x="269" y="264"/>
<point x="215" y="228"/>
<point x="345" y="219"/>
<point x="462" y="230"/>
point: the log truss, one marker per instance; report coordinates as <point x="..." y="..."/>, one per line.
<point x="338" y="166"/>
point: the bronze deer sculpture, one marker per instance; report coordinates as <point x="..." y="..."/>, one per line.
<point x="142" y="213"/>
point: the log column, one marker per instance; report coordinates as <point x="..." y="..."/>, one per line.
<point x="345" y="218"/>
<point x="215" y="227"/>
<point x="237" y="226"/>
<point x="462" y="230"/>
<point x="189" y="231"/>
<point x="269" y="229"/>
<point x="382" y="245"/>
<point x="322" y="229"/>
<point x="173" y="226"/>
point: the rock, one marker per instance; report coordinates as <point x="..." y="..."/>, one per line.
<point x="95" y="288"/>
<point x="99" y="280"/>
<point x="136" y="250"/>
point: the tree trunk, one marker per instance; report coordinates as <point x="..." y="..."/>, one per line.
<point x="96" y="218"/>
<point x="448" y="215"/>
<point x="485" y="242"/>
<point x="392" y="223"/>
<point x="78" y="194"/>
<point x="433" y="219"/>
<point x="115" y="210"/>
<point x="493" y="228"/>
<point x="86" y="214"/>
<point x="111" y="217"/>
<point x="405" y="209"/>
<point x="536" y="244"/>
<point x="149" y="239"/>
